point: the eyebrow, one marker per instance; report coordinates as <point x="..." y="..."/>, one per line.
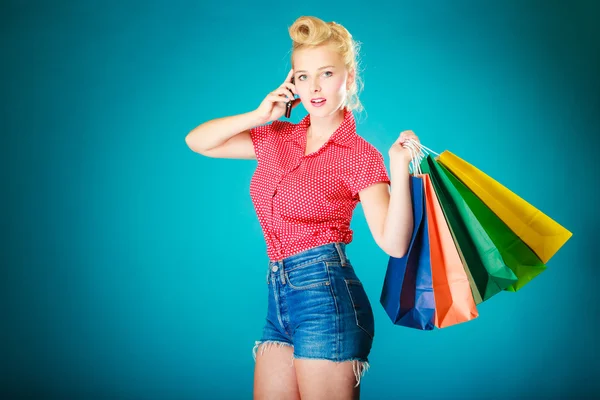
<point x="327" y="66"/>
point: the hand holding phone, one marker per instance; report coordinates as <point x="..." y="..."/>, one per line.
<point x="279" y="102"/>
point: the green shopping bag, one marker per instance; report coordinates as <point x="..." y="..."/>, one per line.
<point x="481" y="257"/>
<point x="525" y="264"/>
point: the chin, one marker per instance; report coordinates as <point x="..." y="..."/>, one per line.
<point x="326" y="111"/>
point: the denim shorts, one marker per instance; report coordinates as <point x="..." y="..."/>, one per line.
<point x="318" y="306"/>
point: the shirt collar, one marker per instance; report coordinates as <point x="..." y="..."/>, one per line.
<point x="344" y="135"/>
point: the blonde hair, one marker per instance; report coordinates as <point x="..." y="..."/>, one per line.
<point x="310" y="32"/>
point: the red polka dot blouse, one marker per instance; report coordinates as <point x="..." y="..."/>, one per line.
<point x="307" y="201"/>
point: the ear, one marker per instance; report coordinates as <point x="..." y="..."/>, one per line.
<point x="350" y="80"/>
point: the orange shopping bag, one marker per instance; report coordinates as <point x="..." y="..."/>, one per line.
<point x="454" y="301"/>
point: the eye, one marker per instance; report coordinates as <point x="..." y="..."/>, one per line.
<point x="301" y="77"/>
<point x="328" y="72"/>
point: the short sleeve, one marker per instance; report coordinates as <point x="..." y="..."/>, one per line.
<point x="370" y="170"/>
<point x="263" y="136"/>
<point x="259" y="136"/>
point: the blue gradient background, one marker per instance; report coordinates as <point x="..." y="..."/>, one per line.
<point x="133" y="268"/>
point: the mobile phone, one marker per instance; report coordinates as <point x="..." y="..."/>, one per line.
<point x="288" y="105"/>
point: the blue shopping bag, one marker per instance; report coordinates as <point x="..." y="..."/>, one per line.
<point x="407" y="294"/>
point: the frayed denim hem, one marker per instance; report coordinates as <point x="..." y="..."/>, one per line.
<point x="264" y="345"/>
<point x="359" y="366"/>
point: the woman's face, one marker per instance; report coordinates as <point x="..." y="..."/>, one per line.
<point x="321" y="79"/>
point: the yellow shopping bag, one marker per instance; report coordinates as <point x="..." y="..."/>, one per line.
<point x="542" y="234"/>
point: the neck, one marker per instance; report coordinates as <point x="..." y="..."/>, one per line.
<point x="323" y="127"/>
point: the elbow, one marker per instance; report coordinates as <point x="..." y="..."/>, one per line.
<point x="392" y="251"/>
<point x="193" y="144"/>
<point x="397" y="252"/>
<point x="189" y="141"/>
<point x="395" y="249"/>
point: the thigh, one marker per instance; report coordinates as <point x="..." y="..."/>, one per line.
<point x="324" y="379"/>
<point x="274" y="373"/>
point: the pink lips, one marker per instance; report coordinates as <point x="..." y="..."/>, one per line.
<point x="319" y="103"/>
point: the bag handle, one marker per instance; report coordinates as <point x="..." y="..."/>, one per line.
<point x="418" y="152"/>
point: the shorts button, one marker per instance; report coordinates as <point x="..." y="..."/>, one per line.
<point x="275" y="268"/>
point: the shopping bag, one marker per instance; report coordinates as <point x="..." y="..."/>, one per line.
<point x="542" y="234"/>
<point x="407" y="293"/>
<point x="516" y="254"/>
<point x="454" y="301"/>
<point x="490" y="273"/>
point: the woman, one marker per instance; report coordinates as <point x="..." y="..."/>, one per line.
<point x="309" y="177"/>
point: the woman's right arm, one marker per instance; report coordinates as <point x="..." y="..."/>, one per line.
<point x="229" y="137"/>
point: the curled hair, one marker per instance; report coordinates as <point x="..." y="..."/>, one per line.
<point x="310" y="32"/>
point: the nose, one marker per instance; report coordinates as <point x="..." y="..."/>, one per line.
<point x="314" y="86"/>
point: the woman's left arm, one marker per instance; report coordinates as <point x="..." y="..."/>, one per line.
<point x="389" y="213"/>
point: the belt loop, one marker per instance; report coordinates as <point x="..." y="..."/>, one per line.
<point x="281" y="272"/>
<point x="338" y="247"/>
<point x="268" y="272"/>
